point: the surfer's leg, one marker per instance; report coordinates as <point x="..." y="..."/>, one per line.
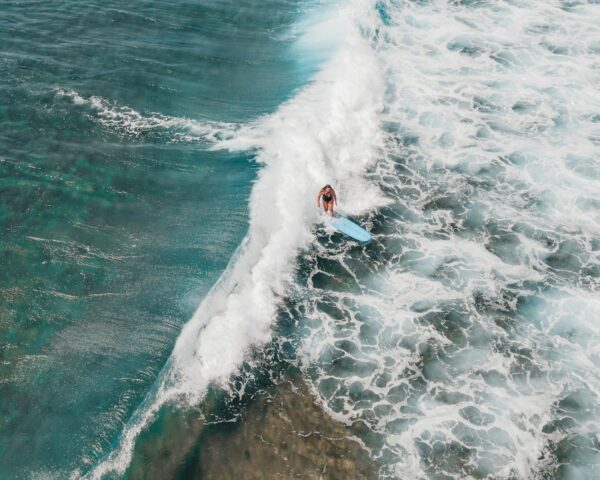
<point x="330" y="208"/>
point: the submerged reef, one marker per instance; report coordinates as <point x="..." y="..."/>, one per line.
<point x="280" y="433"/>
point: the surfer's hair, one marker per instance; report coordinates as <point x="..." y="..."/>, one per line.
<point x="326" y="186"/>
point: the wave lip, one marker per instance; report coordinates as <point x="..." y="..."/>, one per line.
<point x="328" y="133"/>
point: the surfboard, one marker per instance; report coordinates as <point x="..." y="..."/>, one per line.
<point x="348" y="227"/>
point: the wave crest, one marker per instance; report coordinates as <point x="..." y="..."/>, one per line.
<point x="129" y="122"/>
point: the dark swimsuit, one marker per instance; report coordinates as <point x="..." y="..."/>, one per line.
<point x="327" y="198"/>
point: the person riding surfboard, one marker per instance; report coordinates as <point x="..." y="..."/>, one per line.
<point x="328" y="197"/>
<point x="341" y="224"/>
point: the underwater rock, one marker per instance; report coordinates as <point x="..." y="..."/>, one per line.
<point x="285" y="436"/>
<point x="280" y="433"/>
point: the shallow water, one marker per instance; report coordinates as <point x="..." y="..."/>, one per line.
<point x="275" y="431"/>
<point x="460" y="343"/>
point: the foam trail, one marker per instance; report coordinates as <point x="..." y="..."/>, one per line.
<point x="129" y="122"/>
<point x="328" y="133"/>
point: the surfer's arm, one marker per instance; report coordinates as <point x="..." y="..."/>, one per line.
<point x="319" y="198"/>
<point x="334" y="196"/>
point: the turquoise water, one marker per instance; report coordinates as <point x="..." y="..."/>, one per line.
<point x="113" y="224"/>
<point x="164" y="262"/>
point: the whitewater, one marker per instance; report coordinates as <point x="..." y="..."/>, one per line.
<point x="465" y="136"/>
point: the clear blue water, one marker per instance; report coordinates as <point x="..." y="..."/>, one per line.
<point x="160" y="244"/>
<point x="113" y="226"/>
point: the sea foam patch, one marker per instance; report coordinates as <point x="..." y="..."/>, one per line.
<point x="459" y="340"/>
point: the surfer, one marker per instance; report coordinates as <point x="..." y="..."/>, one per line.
<point x="327" y="195"/>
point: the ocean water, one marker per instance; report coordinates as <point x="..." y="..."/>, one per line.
<point x="161" y="247"/>
<point x="116" y="218"/>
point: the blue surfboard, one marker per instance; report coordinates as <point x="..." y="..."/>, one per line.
<point x="348" y="227"/>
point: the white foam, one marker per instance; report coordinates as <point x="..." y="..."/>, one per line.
<point x="127" y="121"/>
<point x="503" y="130"/>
